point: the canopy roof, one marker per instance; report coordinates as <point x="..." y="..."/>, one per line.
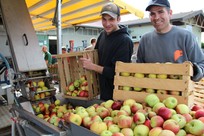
<point x="73" y="12"/>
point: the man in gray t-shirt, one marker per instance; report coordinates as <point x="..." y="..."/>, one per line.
<point x="168" y="43"/>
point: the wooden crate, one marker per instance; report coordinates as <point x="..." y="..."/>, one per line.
<point x="183" y="87"/>
<point x="70" y="68"/>
<point x="199" y="93"/>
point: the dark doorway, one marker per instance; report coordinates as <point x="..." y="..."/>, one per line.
<point x="53" y="46"/>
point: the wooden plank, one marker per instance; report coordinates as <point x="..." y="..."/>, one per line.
<point x="153" y="68"/>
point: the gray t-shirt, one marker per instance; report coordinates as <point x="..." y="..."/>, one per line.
<point x="176" y="46"/>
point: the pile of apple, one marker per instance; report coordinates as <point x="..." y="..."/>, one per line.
<point x="150" y="90"/>
<point x="130" y="118"/>
<point x="53" y="112"/>
<point x="41" y="91"/>
<point x="78" y="88"/>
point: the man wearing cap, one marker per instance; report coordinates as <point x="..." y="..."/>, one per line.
<point x="169" y="43"/>
<point x="113" y="44"/>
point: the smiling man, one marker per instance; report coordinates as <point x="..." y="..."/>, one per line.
<point x="169" y="43"/>
<point x="113" y="44"/>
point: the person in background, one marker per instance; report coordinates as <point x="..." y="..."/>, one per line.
<point x="169" y="43"/>
<point x="47" y="55"/>
<point x="64" y="50"/>
<point x="92" y="46"/>
<point x="113" y="44"/>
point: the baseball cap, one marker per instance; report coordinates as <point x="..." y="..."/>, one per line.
<point x="111" y="9"/>
<point x="162" y="3"/>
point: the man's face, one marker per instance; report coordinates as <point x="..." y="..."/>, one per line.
<point x="109" y="23"/>
<point x="160" y="18"/>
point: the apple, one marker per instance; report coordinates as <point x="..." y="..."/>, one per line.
<point x="116" y="105"/>
<point x="102" y="112"/>
<point x="171" y="102"/>
<point x="138" y="89"/>
<point x="41" y="84"/>
<point x="135" y="107"/>
<point x="182" y="109"/>
<point x="166" y="133"/>
<point x="195" y="127"/>
<point x="148" y="123"/>
<point x="114" y="113"/>
<point x="178" y="93"/>
<point x="108" y="103"/>
<point x="152" y="76"/>
<point x="150" y="90"/>
<point x="76" y="83"/>
<point x="196" y="107"/>
<point x="201" y="119"/>
<point x="174" y="76"/>
<point x="157" y="106"/>
<point x="151" y="114"/>
<point x="126" y="74"/>
<point x="152" y="99"/>
<point x="127" y="88"/>
<point x="165" y="113"/>
<point x="75" y="118"/>
<point x="139" y="118"/>
<point x="47" y="94"/>
<point x="162" y="76"/>
<point x="37" y="97"/>
<point x="188" y="117"/>
<point x="40" y="116"/>
<point x="172" y="125"/>
<point x="181" y="120"/>
<point x="129" y="102"/>
<point x="96" y="118"/>
<point x="79" y="108"/>
<point x="114" y="128"/>
<point x="42" y="95"/>
<point x="82" y="113"/>
<point x="199" y="113"/>
<point x="57" y="102"/>
<point x="139" y="75"/>
<point x="160" y="91"/>
<point x="156" y="121"/>
<point x="85" y="83"/>
<point x="117" y="134"/>
<point x="155" y="131"/>
<point x="141" y="130"/>
<point x="181" y="133"/>
<point x="124" y="121"/>
<point x="126" y="108"/>
<point x="86" y="122"/>
<point x="127" y="132"/>
<point x="59" y="114"/>
<point x="106" y="133"/>
<point x="71" y="87"/>
<point x="98" y="127"/>
<point x="90" y="109"/>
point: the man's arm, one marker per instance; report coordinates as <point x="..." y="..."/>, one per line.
<point x="88" y="64"/>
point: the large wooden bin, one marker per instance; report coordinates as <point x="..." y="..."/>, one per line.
<point x="70" y="68"/>
<point x="181" y="88"/>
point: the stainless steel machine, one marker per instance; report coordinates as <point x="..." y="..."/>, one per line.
<point x="29" y="67"/>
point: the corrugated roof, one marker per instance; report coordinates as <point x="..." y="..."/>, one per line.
<point x="73" y="12"/>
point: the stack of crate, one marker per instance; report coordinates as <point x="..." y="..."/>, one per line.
<point x="70" y="69"/>
<point x="132" y="81"/>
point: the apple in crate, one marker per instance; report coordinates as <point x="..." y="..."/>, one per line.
<point x="116" y="105"/>
<point x="152" y="99"/>
<point x="162" y="76"/>
<point x="126" y="88"/>
<point x="41" y="84"/>
<point x="74" y="118"/>
<point x="171" y="102"/>
<point x="127" y="132"/>
<point x="126" y="74"/>
<point x="195" y="127"/>
<point x="139" y="75"/>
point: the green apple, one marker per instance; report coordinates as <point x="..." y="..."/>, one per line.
<point x="108" y="103"/>
<point x="162" y="76"/>
<point x="150" y="90"/>
<point x="141" y="130"/>
<point x="114" y="128"/>
<point x="126" y="74"/>
<point x="139" y="75"/>
<point x="166" y="133"/>
<point x="129" y="102"/>
<point x="127" y="88"/>
<point x="161" y="91"/>
<point x="181" y="133"/>
<point x="57" y="102"/>
<point x="126" y="108"/>
<point x="139" y="118"/>
<point x="75" y="118"/>
<point x="82" y="113"/>
<point x="138" y="89"/>
<point x="171" y="102"/>
<point x="98" y="127"/>
<point x="40" y="116"/>
<point x="106" y="133"/>
<point x="152" y="99"/>
<point x="157" y="106"/>
<point x="195" y="127"/>
<point x="127" y="132"/>
<point x="179" y="119"/>
<point x="152" y="76"/>
<point x="182" y="109"/>
<point x="41" y="84"/>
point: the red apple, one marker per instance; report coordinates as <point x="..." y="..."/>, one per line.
<point x="125" y="121"/>
<point x="135" y="107"/>
<point x="155" y="131"/>
<point x="117" y="105"/>
<point x="148" y="124"/>
<point x="102" y="112"/>
<point x="117" y="134"/>
<point x="156" y="121"/>
<point x="165" y="113"/>
<point x="199" y="113"/>
<point x="139" y="118"/>
<point x="196" y="107"/>
<point x="188" y="117"/>
<point x="172" y="125"/>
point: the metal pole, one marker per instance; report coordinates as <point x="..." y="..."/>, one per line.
<point x="59" y="28"/>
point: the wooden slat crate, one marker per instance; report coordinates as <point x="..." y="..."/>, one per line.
<point x="181" y="88"/>
<point x="199" y="93"/>
<point x="70" y="68"/>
